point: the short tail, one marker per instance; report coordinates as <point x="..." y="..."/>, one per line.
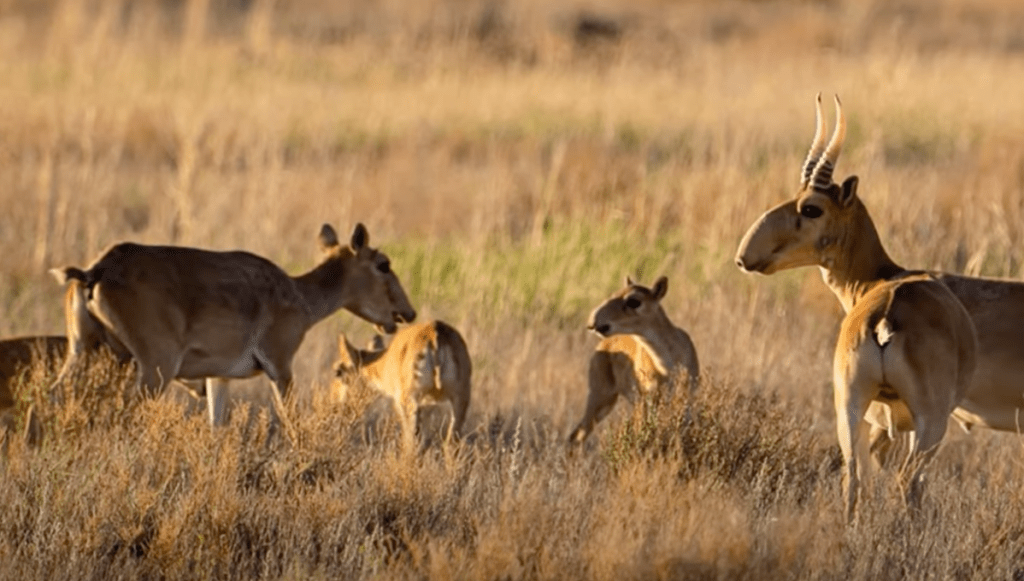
<point x="69" y="273"/>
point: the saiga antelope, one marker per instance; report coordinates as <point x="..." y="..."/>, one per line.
<point x="87" y="336"/>
<point x="425" y="363"/>
<point x="641" y="354"/>
<point x="191" y="314"/>
<point x="907" y="350"/>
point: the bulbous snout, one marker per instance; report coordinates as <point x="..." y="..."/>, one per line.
<point x="397" y="318"/>
<point x="747" y="257"/>
<point x="765" y="245"/>
<point x="405" y="316"/>
<point x="741" y="264"/>
<point x="747" y="263"/>
<point x="598" y="327"/>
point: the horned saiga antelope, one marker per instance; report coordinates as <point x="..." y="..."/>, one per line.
<point x="907" y="350"/>
<point x="190" y="313"/>
<point x="424" y="363"/>
<point x="642" y="353"/>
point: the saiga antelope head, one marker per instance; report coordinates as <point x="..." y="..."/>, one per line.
<point x="812" y="229"/>
<point x="376" y="294"/>
<point x="629" y="311"/>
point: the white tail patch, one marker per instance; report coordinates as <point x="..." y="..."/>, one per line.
<point x="883" y="332"/>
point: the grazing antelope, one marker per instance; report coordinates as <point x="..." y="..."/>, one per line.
<point x="191" y="314"/>
<point x="425" y="363"/>
<point x="907" y="350"/>
<point x="642" y="352"/>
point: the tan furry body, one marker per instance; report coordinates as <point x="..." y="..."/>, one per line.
<point x="904" y="360"/>
<point x="642" y="353"/>
<point x="908" y="351"/>
<point x="425" y="363"/>
<point x="191" y="313"/>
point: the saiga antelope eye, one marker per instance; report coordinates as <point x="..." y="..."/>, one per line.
<point x="809" y="211"/>
<point x="633" y="303"/>
<point x="384" y="267"/>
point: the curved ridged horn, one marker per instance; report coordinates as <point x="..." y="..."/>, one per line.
<point x="822" y="175"/>
<point x="817" y="146"/>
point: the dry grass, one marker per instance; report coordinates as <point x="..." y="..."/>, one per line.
<point x="516" y="160"/>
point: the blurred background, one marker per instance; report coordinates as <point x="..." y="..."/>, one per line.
<point x="515" y="159"/>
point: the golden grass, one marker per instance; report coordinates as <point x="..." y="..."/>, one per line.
<point x="516" y="160"/>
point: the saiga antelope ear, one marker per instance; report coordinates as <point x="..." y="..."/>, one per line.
<point x="360" y="238"/>
<point x="660" y="288"/>
<point x="629" y="280"/>
<point x="848" y="193"/>
<point x="328" y="237"/>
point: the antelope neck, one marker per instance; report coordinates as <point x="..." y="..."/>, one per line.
<point x="859" y="262"/>
<point x="660" y="338"/>
<point x="323" y="289"/>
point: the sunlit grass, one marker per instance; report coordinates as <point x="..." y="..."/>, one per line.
<point x="515" y="167"/>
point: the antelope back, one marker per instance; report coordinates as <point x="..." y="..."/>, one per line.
<point x="421" y="358"/>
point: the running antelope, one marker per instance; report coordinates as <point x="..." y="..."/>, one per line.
<point x="425" y="363"/>
<point x="908" y="349"/>
<point x="642" y="352"/>
<point x="191" y="314"/>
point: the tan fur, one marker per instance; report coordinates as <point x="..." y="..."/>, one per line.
<point x="907" y="351"/>
<point x="425" y="363"/>
<point x="642" y="353"/>
<point x="190" y="313"/>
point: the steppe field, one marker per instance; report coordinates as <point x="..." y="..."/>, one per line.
<point x="516" y="159"/>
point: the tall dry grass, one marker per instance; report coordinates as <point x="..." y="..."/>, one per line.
<point x="516" y="160"/>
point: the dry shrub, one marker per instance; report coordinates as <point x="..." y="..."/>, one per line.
<point x="736" y="487"/>
<point x="515" y="159"/>
<point x="756" y="443"/>
<point x="99" y="395"/>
